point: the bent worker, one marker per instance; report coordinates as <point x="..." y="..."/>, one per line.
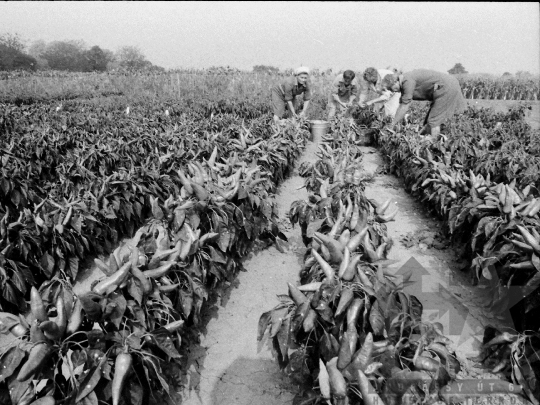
<point x="443" y="90"/>
<point x="284" y="95"/>
<point x="344" y="92"/>
<point x="386" y="99"/>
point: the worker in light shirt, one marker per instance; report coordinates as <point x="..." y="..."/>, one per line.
<point x="284" y="94"/>
<point x="386" y="99"/>
<point x="343" y="93"/>
<point x="441" y="89"/>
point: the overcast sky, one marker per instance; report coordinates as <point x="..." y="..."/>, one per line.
<point x="484" y="37"/>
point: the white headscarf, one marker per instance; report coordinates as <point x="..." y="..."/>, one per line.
<point x="300" y="70"/>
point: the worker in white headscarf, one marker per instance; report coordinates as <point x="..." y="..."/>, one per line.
<point x="284" y="95"/>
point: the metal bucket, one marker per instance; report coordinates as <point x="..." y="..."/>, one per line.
<point x="318" y="128"/>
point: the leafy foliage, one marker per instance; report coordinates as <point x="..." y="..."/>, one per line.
<point x="349" y="316"/>
<point x="194" y="195"/>
<point x="476" y="176"/>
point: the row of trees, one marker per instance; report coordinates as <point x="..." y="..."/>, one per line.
<point x="459" y="69"/>
<point x="73" y="56"/>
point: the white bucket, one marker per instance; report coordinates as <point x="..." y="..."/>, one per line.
<point x="318" y="128"/>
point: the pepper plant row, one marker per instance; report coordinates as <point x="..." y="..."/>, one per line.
<point x="204" y="197"/>
<point x="499" y="89"/>
<point x="349" y="334"/>
<point x="495" y="214"/>
<point x="77" y="183"/>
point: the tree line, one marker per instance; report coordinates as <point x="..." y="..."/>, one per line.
<point x="71" y="55"/>
<point x="77" y="56"/>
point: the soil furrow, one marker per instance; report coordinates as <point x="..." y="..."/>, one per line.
<point x="228" y="367"/>
<point x="445" y="291"/>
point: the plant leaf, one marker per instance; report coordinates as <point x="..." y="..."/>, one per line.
<point x="224" y="240"/>
<point x="21" y="392"/>
<point x="277" y="317"/>
<point x="74" y="266"/>
<point x="158" y="374"/>
<point x="376" y="319"/>
<point x="536" y="262"/>
<point x="194" y="220"/>
<point x="186" y="302"/>
<point x="88" y="383"/>
<point x="217" y="256"/>
<point x="90" y="399"/>
<point x="135" y="290"/>
<point x="165" y="343"/>
<point x="264" y="320"/>
<point x="47" y="264"/>
<point x="91" y="305"/>
<point x="283" y="338"/>
<point x="9" y="361"/>
<point x="120" y="308"/>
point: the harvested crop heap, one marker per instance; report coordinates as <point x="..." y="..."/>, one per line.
<point x="349" y="334"/>
<point x="192" y="195"/>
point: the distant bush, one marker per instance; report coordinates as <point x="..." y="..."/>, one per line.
<point x="271" y="70"/>
<point x="12" y="59"/>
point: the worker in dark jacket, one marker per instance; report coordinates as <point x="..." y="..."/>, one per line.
<point x="284" y="95"/>
<point x="343" y="93"/>
<point x="443" y="90"/>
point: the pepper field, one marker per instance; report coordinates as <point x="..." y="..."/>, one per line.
<point x="128" y="202"/>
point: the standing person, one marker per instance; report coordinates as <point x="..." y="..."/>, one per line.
<point x="442" y="89"/>
<point x="344" y="92"/>
<point x="386" y="98"/>
<point x="284" y="95"/>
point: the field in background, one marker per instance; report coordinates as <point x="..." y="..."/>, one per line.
<point x="171" y="86"/>
<point x="533" y="116"/>
<point x="180" y="85"/>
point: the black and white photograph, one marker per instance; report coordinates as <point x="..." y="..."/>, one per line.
<point x="269" y="203"/>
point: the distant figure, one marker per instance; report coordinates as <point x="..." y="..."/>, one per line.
<point x="387" y="99"/>
<point x="343" y="93"/>
<point x="443" y="90"/>
<point x="284" y="95"/>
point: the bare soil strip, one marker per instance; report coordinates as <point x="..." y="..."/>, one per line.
<point x="227" y="368"/>
<point x="446" y="292"/>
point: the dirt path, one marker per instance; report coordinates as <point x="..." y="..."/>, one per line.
<point x="445" y="291"/>
<point x="227" y="368"/>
